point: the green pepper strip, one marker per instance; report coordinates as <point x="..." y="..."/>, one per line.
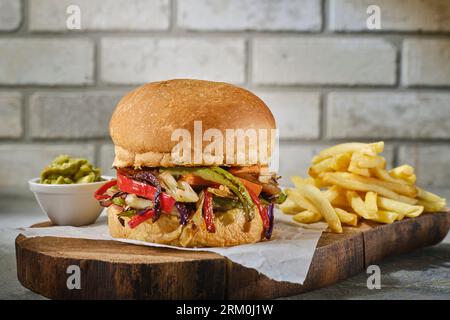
<point x="221" y="176"/>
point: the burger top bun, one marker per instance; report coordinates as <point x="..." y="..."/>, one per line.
<point x="144" y="120"/>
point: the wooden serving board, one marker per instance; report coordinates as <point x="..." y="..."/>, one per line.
<point x="114" y="270"/>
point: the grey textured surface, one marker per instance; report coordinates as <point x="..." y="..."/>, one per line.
<point x="423" y="274"/>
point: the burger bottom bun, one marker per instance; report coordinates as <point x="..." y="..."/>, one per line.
<point x="167" y="230"/>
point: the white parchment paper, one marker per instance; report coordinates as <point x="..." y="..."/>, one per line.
<point x="286" y="257"/>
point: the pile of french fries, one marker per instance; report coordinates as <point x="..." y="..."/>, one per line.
<point x="350" y="181"/>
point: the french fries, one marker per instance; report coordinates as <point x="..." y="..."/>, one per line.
<point x="373" y="148"/>
<point x="335" y="163"/>
<point x="346" y="217"/>
<point x="300" y="200"/>
<point x="336" y="196"/>
<point x="322" y="205"/>
<point x="355" y="183"/>
<point x="404" y="172"/>
<point x="403" y="209"/>
<point x="358" y="205"/>
<point x="430" y="201"/>
<point x="382" y="174"/>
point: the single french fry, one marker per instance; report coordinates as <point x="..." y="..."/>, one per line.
<point x="307" y="217"/>
<point x="385" y="216"/>
<point x="430" y="201"/>
<point x="370" y="202"/>
<point x="377" y="147"/>
<point x="310" y="180"/>
<point x="347" y="217"/>
<point x="322" y="166"/>
<point x="402" y="209"/>
<point x="428" y="196"/>
<point x="364" y="161"/>
<point x="290" y="207"/>
<point x="315" y="196"/>
<point x="432" y="206"/>
<point x="297" y="180"/>
<point x="342" y="161"/>
<point x="300" y="200"/>
<point x="403" y="171"/>
<point x="354" y="182"/>
<point x="382" y="174"/>
<point x="358" y="205"/>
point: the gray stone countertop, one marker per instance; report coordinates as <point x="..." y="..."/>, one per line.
<point x="423" y="274"/>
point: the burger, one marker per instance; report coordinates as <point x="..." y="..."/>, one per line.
<point x="192" y="159"/>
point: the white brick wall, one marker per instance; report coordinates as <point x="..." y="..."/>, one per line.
<point x="384" y="115"/>
<point x="10" y="15"/>
<point x="295" y="159"/>
<point x="106" y="159"/>
<point x="300" y="15"/>
<point x="431" y="163"/>
<point x="134" y="61"/>
<point x="46" y="61"/>
<point x="325" y="76"/>
<point x="297" y="113"/>
<point x="50" y="15"/>
<point x="20" y="163"/>
<point x="396" y="15"/>
<point x="323" y="61"/>
<point x="11" y="115"/>
<point x="71" y="115"/>
<point x="426" y="62"/>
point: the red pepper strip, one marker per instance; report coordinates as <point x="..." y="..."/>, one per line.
<point x="208" y="212"/>
<point x="262" y="210"/>
<point x="100" y="193"/>
<point x="147" y="191"/>
<point x="138" y="219"/>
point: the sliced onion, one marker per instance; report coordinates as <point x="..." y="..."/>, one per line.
<point x="135" y="202"/>
<point x="184" y="212"/>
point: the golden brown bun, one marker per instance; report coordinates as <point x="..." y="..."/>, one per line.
<point x="167" y="230"/>
<point x="144" y="120"/>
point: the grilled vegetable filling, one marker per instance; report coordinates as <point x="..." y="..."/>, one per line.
<point x="144" y="194"/>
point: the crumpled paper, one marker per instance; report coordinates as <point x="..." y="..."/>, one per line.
<point x="286" y="257"/>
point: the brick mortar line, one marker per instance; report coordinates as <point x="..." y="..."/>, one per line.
<point x="248" y="62"/>
<point x="173" y="23"/>
<point x="123" y="89"/>
<point x="325" y="7"/>
<point x="218" y="34"/>
<point x="97" y="53"/>
<point x="395" y="155"/>
<point x="26" y="136"/>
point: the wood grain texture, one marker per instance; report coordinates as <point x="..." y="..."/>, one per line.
<point x="114" y="270"/>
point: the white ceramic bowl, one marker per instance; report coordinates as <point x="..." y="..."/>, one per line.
<point x="68" y="204"/>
